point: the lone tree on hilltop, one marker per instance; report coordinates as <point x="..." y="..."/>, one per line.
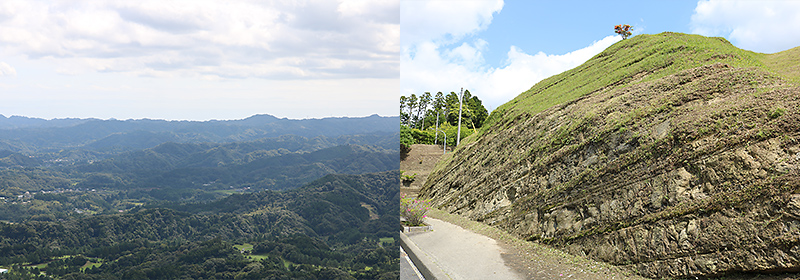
<point x="623" y="30"/>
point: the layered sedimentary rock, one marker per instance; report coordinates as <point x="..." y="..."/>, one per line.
<point x="675" y="170"/>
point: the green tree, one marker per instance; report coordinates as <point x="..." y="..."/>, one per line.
<point x="452" y="107"/>
<point x="473" y="113"/>
<point x="437" y="114"/>
<point x="477" y="113"/>
<point x="422" y="107"/>
<point x="405" y="118"/>
<point x="411" y="105"/>
<point x="432" y="112"/>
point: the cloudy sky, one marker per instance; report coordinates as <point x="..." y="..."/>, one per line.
<point x="498" y="49"/>
<point x="199" y="60"/>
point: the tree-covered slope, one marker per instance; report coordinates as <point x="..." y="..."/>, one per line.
<point x="171" y="172"/>
<point x="675" y="155"/>
<point x="72" y="183"/>
<point x="152" y="199"/>
<point x="334" y="225"/>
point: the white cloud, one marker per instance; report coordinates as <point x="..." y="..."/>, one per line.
<point x="444" y="21"/>
<point x="7" y="70"/>
<point x="434" y="68"/>
<point x="430" y="62"/>
<point x="318" y="39"/>
<point x="762" y="26"/>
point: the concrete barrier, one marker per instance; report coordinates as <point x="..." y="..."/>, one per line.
<point x="427" y="267"/>
<point x="417" y="229"/>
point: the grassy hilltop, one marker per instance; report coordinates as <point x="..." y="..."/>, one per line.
<point x="674" y="155"/>
<point x="643" y="58"/>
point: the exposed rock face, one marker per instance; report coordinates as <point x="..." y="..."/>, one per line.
<point x="693" y="174"/>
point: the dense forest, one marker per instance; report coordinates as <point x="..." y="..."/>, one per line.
<point x="338" y="225"/>
<point x="292" y="206"/>
<point x="432" y="118"/>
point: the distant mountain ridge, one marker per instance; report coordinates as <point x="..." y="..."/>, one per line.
<point x="22" y="122"/>
<point x="15" y="122"/>
<point x="22" y="134"/>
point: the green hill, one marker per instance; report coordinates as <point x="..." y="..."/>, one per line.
<point x="673" y="155"/>
<point x="643" y="58"/>
<point x="333" y="224"/>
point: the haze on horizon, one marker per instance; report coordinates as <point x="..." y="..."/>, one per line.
<point x="234" y="119"/>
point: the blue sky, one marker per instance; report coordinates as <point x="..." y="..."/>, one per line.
<point x="557" y="27"/>
<point x="198" y="59"/>
<point x="498" y="49"/>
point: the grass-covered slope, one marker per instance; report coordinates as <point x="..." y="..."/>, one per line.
<point x="785" y="63"/>
<point x="674" y="155"/>
<point x="642" y="58"/>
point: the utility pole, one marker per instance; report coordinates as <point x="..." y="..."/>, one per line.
<point x="460" y="96"/>
<point x="444" y="150"/>
<point x="436" y="139"/>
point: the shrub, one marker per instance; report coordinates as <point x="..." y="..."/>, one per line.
<point x="423" y="136"/>
<point x="406" y="137"/>
<point x="414" y="210"/>
<point x="407" y="178"/>
<point x="406" y="140"/>
<point x="453" y="130"/>
<point x="776" y="113"/>
<point x="410" y="136"/>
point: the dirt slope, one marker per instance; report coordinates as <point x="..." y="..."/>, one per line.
<point x="420" y="161"/>
<point x="687" y="166"/>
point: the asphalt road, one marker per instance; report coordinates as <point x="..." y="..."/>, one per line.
<point x="463" y="254"/>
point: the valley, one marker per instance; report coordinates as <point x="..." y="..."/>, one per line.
<point x="321" y="205"/>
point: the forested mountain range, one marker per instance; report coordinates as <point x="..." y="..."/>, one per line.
<point x="21" y="134"/>
<point x="259" y="198"/>
<point x="318" y="231"/>
<point x="101" y="182"/>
